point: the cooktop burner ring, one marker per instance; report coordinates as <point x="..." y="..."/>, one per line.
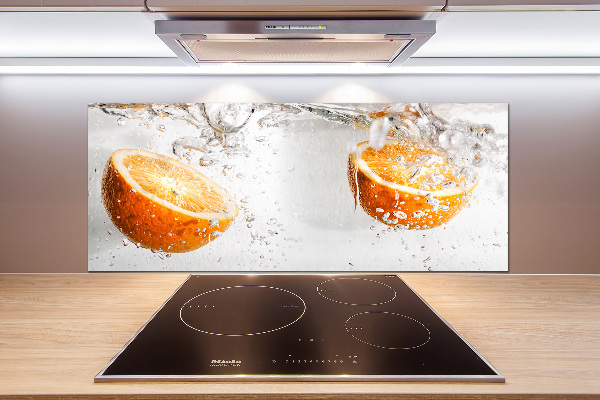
<point x="390" y="297"/>
<point x="387" y="313"/>
<point x="261" y="332"/>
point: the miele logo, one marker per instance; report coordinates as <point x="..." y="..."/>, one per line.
<point x="225" y="363"/>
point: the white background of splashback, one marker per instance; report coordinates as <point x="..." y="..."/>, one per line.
<point x="294" y="183"/>
<point x="554" y="144"/>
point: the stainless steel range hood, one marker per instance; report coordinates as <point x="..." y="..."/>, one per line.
<point x="388" y="42"/>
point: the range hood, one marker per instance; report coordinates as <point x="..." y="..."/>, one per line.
<point x="387" y="42"/>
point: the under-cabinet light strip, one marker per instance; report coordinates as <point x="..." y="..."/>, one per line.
<point x="415" y="66"/>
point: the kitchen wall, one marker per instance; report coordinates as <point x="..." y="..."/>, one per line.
<point x="554" y="162"/>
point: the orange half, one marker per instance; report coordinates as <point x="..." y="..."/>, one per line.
<point x="407" y="186"/>
<point x="162" y="204"/>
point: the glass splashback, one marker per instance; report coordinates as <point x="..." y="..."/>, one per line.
<point x="298" y="187"/>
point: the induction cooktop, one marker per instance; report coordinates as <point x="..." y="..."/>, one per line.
<point x="297" y="328"/>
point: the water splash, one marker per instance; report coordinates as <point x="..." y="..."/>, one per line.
<point x="464" y="143"/>
<point x="227" y="117"/>
<point x="378" y="132"/>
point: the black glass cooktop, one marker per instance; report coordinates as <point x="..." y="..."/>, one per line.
<point x="297" y="327"/>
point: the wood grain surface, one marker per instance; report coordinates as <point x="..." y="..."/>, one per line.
<point x="542" y="332"/>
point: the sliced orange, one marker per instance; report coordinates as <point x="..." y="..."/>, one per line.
<point x="162" y="204"/>
<point x="408" y="186"/>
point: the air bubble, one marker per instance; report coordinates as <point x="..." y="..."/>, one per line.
<point x="207" y="161"/>
<point x="399" y="214"/>
<point x="429" y="159"/>
<point x="434" y="179"/>
<point x="448" y="184"/>
<point x="416" y="171"/>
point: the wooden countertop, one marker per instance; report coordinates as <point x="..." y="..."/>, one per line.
<point x="542" y="332"/>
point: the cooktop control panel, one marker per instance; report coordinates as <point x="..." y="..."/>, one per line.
<point x="297" y="327"/>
